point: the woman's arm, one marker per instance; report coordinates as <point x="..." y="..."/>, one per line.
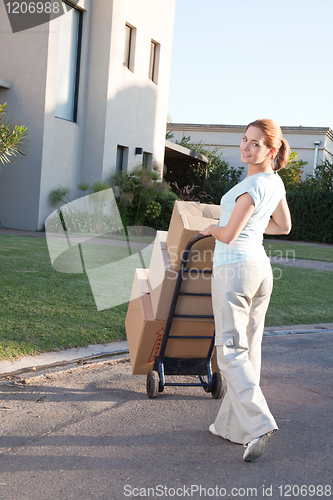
<point x="281" y="220"/>
<point x="240" y="215"/>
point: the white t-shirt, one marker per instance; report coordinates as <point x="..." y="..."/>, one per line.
<point x="266" y="190"/>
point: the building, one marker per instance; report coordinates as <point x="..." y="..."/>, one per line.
<point x="92" y="88"/>
<point x="313" y="144"/>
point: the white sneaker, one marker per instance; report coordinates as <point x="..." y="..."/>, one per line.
<point x="212" y="430"/>
<point x="255" y="448"/>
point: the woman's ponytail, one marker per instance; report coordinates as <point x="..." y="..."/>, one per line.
<point x="275" y="140"/>
<point x="282" y="157"/>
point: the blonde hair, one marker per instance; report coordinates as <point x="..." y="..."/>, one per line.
<point x="275" y="140"/>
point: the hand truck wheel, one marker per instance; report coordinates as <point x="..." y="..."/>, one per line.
<point x="153" y="382"/>
<point x="219" y="386"/>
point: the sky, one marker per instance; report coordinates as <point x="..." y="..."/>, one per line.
<point x="234" y="61"/>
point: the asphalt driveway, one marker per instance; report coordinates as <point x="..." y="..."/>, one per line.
<point x="90" y="432"/>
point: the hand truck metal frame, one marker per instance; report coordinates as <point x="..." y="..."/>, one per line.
<point x="215" y="384"/>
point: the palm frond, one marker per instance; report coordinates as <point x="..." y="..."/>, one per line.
<point x="13" y="138"/>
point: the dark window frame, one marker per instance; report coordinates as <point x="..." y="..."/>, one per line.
<point x="122" y="159"/>
<point x="128" y="47"/>
<point x="78" y="66"/>
<point x="154" y="61"/>
<point x="147" y="160"/>
<point x="130" y="44"/>
<point x="77" y="63"/>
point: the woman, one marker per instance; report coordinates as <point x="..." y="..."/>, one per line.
<point x="242" y="284"/>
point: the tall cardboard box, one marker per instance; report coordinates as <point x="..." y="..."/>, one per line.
<point x="162" y="280"/>
<point x="145" y="334"/>
<point x="187" y="220"/>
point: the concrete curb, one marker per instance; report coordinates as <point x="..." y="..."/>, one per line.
<point x="294" y="329"/>
<point x="94" y="352"/>
<point x="61" y="358"/>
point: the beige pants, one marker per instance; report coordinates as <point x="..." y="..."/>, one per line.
<point x="241" y="294"/>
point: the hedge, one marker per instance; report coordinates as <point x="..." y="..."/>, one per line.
<point x="312" y="216"/>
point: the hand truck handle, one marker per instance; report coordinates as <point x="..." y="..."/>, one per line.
<point x="189" y="245"/>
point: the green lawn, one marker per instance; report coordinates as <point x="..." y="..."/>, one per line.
<point x="42" y="309"/>
<point x="292" y="251"/>
<point x="300" y="296"/>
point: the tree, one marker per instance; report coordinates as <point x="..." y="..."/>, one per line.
<point x="322" y="179"/>
<point x="291" y="173"/>
<point x="12" y="137"/>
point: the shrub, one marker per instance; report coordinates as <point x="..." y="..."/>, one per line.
<point x="166" y="202"/>
<point x="190" y="193"/>
<point x="71" y="218"/>
<point x="311" y="206"/>
<point x="75" y="221"/>
<point x="220" y="179"/>
<point x="58" y="196"/>
<point x="312" y="215"/>
<point x="213" y="179"/>
<point x="143" y="199"/>
<point x="322" y="180"/>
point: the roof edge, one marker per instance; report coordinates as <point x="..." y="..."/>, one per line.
<point x="185" y="151"/>
<point x="240" y="128"/>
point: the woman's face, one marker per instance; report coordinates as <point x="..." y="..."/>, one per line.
<point x="253" y="149"/>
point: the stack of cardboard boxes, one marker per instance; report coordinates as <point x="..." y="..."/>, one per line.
<point x="153" y="290"/>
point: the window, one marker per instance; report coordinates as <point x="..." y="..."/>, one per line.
<point x="130" y="37"/>
<point x="122" y="159"/>
<point x="69" y="64"/>
<point x="128" y="40"/>
<point x="147" y="159"/>
<point x="154" y="61"/>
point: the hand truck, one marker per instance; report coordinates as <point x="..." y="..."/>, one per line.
<point x="201" y="367"/>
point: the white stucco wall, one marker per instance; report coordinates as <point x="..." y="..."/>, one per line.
<point x="23" y="64"/>
<point x="116" y="105"/>
<point x="62" y="139"/>
<point x="98" y="39"/>
<point x="136" y="106"/>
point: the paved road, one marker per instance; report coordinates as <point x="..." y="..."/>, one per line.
<point x="309" y="264"/>
<point x="90" y="432"/>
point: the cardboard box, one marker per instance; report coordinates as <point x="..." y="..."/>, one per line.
<point x="145" y="334"/>
<point x="162" y="281"/>
<point x="140" y="285"/>
<point x="187" y="220"/>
